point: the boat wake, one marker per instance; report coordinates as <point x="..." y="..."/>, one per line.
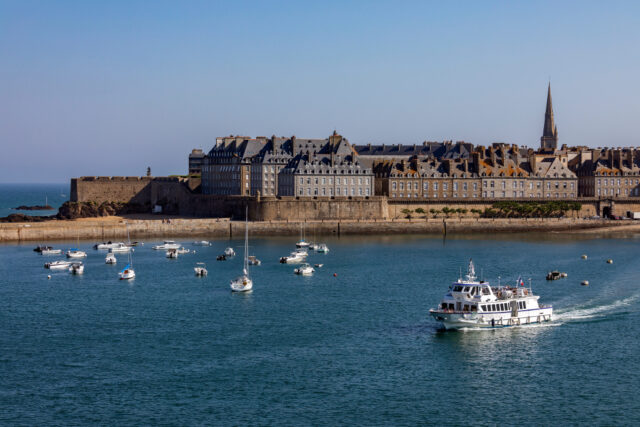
<point x="581" y="313"/>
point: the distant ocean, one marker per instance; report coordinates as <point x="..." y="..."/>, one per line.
<point x="14" y="195"/>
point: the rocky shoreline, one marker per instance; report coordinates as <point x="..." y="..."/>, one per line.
<point x="147" y="226"/>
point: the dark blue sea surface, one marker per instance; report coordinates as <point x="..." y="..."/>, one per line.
<point x="355" y="348"/>
<point x="14" y="195"/>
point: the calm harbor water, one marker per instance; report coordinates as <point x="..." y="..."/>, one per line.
<point x="359" y="348"/>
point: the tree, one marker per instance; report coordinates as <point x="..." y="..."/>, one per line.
<point x="420" y="211"/>
<point x="407" y="213"/>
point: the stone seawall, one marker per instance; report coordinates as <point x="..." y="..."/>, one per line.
<point x="102" y="229"/>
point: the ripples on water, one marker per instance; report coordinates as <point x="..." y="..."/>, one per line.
<point x="356" y="348"/>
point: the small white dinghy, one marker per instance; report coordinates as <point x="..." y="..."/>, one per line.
<point x="254" y="261"/>
<point x="202" y="243"/>
<point x="322" y="248"/>
<point x="182" y="250"/>
<point x="172" y="253"/>
<point x="228" y="252"/>
<point x="295" y="257"/>
<point x="304" y="270"/>
<point x="200" y="269"/>
<point x="76" y="268"/>
<point x="110" y="258"/>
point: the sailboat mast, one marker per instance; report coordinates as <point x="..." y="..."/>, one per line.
<point x="246" y="240"/>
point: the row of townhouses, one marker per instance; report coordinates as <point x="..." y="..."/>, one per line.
<point x="332" y="167"/>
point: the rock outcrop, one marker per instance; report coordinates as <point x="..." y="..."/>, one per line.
<point x="73" y="210"/>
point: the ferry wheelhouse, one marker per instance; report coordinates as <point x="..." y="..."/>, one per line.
<point x="471" y="303"/>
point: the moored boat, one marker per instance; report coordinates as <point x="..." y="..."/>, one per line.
<point x="76" y="268"/>
<point x="107" y="245"/>
<point x="473" y="303"/>
<point x="295" y="257"/>
<point x="200" y="269"/>
<point x="229" y="252"/>
<point x="168" y="244"/>
<point x="57" y="265"/>
<point x="51" y="252"/>
<point x="244" y="283"/>
<point x="76" y="253"/>
<point x="322" y="248"/>
<point x="172" y="253"/>
<point x="110" y="258"/>
<point x="304" y="270"/>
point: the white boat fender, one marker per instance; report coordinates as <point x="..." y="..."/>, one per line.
<point x="48" y="276"/>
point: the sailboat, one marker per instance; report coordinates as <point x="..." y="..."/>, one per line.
<point x="244" y="282"/>
<point x="128" y="272"/>
<point x="302" y="244"/>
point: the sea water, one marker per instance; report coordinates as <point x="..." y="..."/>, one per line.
<point x="14" y="195"/>
<point x="353" y="344"/>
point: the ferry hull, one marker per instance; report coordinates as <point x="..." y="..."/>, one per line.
<point x="491" y="320"/>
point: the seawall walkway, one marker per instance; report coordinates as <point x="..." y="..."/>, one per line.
<point x="112" y="228"/>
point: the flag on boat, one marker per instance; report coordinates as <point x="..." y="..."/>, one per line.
<point x="520" y="281"/>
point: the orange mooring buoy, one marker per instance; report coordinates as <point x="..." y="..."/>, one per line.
<point x="335" y="274"/>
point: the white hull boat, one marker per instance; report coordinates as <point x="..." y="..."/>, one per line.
<point x="168" y="244"/>
<point x="200" y="269"/>
<point x="120" y="248"/>
<point x="127" y="274"/>
<point x="202" y="243"/>
<point x="182" y="251"/>
<point x="244" y="282"/>
<point x="476" y="304"/>
<point x="107" y="245"/>
<point x="254" y="261"/>
<point x="74" y="253"/>
<point x="295" y="257"/>
<point x="172" y="253"/>
<point x="76" y="268"/>
<point x="110" y="259"/>
<point x="229" y="252"/>
<point x="51" y="252"/>
<point x="304" y="270"/>
<point x="322" y="248"/>
<point x="57" y="265"/>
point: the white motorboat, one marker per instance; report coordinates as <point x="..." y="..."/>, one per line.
<point x="120" y="248"/>
<point x="128" y="272"/>
<point x="229" y="252"/>
<point x="295" y="257"/>
<point x="200" y="269"/>
<point x="51" y="252"/>
<point x="110" y="258"/>
<point x="107" y="245"/>
<point x="476" y="304"/>
<point x="76" y="253"/>
<point x="76" y="268"/>
<point x="304" y="270"/>
<point x="254" y="261"/>
<point x="244" y="283"/>
<point x="168" y="244"/>
<point x="202" y="243"/>
<point x="57" y="265"/>
<point x="181" y="250"/>
<point x="313" y="246"/>
<point x="172" y="253"/>
<point x="322" y="248"/>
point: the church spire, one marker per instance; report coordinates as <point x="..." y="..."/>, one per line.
<point x="550" y="131"/>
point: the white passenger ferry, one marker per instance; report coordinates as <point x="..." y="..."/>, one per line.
<point x="471" y="303"/>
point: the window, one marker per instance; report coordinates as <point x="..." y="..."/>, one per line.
<point x="515" y="184"/>
<point x="504" y="184"/>
<point x="445" y="186"/>
<point x="324" y="180"/>
<point x="338" y="191"/>
<point x="464" y="186"/>
<point x="324" y="191"/>
<point x="435" y="185"/>
<point x="367" y="191"/>
<point x="338" y="181"/>
<point x="475" y="186"/>
<point x="353" y="191"/>
<point x="415" y="185"/>
<point x="353" y="181"/>
<point x="393" y="184"/>
<point x="425" y="186"/>
<point x="455" y="186"/>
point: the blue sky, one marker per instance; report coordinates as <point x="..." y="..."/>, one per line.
<point x="109" y="88"/>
